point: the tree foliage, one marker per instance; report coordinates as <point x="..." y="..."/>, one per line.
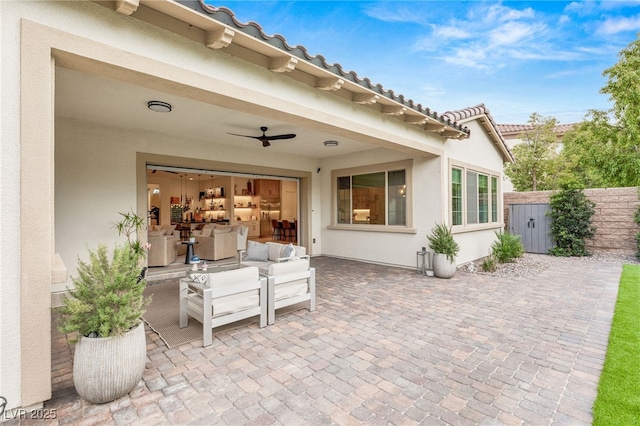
<point x="605" y="153"/>
<point x="601" y="152"/>
<point x="537" y="161"/>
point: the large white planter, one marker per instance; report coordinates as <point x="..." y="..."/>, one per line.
<point x="443" y="267"/>
<point x="108" y="368"/>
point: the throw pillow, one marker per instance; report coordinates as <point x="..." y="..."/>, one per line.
<point x="205" y="232"/>
<point x="257" y="251"/>
<point x="288" y="251"/>
<point x="156" y="233"/>
<point x="200" y="278"/>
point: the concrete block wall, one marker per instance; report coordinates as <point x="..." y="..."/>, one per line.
<point x="613" y="217"/>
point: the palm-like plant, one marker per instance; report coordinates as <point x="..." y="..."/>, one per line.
<point x="441" y="241"/>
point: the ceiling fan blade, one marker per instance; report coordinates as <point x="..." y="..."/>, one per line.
<point x="264" y="138"/>
<point x="277" y="137"/>
<point x="246" y="136"/>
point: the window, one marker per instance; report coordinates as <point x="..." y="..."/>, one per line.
<point x="456" y="196"/>
<point x="377" y="198"/>
<point x="478" y="203"/>
<point x="494" y="199"/>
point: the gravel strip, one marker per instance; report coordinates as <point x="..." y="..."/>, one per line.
<point x="530" y="264"/>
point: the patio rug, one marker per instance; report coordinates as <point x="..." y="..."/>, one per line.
<point x="163" y="316"/>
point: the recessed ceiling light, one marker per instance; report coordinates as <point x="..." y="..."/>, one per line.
<point x="330" y="143"/>
<point x="159" y="106"/>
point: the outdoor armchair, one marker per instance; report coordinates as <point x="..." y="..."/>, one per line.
<point x="223" y="298"/>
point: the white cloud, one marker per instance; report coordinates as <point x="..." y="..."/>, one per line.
<point x="618" y="25"/>
<point x="513" y="33"/>
<point x="500" y="13"/>
<point x="451" y="32"/>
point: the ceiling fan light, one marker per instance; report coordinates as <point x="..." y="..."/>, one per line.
<point x="331" y="143"/>
<point x="159" y="106"/>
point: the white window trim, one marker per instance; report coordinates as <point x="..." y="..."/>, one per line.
<point x="406" y="165"/>
<point x="480" y="170"/>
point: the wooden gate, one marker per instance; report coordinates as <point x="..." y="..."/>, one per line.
<point x="531" y="222"/>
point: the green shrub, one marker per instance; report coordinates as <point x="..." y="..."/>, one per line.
<point x="571" y="212"/>
<point x="507" y="247"/>
<point x="108" y="297"/>
<point x="489" y="264"/>
<point x="441" y="241"/>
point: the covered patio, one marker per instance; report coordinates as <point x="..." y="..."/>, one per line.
<point x="385" y="346"/>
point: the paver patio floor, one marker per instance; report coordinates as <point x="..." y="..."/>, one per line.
<point x="385" y="346"/>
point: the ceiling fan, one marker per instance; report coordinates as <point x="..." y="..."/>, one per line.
<point x="266" y="139"/>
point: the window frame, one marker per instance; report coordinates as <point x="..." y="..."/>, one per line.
<point x="488" y="205"/>
<point x="406" y="165"/>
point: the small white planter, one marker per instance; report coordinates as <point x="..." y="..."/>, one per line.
<point x="108" y="368"/>
<point x="192" y="239"/>
<point x="443" y="267"/>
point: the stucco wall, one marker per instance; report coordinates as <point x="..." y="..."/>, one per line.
<point x="95" y="165"/>
<point x="613" y="217"/>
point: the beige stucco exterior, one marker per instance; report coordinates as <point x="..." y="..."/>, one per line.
<point x="64" y="180"/>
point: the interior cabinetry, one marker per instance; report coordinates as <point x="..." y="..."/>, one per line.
<point x="267" y="187"/>
<point x="245" y="207"/>
<point x="254" y="227"/>
<point x="211" y="209"/>
<point x="368" y="206"/>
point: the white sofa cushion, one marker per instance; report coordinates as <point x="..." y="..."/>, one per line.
<point x="257" y="251"/>
<point x="235" y="302"/>
<point x="274" y="250"/>
<point x="292" y="288"/>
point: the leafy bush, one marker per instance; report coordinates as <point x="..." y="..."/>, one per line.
<point x="507" y="247"/>
<point x="108" y="297"/>
<point x="571" y="212"/>
<point x="441" y="241"/>
<point x="489" y="264"/>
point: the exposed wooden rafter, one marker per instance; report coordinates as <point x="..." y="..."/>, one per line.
<point x="220" y="38"/>
<point x="393" y="110"/>
<point x="365" y="98"/>
<point x="416" y="119"/>
<point x="225" y="31"/>
<point x="283" y="64"/>
<point x="329" y="83"/>
<point x="126" y="7"/>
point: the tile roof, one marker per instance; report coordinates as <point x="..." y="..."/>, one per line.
<point x="227" y="17"/>
<point x="481" y="112"/>
<point x="516" y="129"/>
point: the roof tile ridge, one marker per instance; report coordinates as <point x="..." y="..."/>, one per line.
<point x="228" y="17"/>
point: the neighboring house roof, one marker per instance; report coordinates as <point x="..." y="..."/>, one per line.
<point x="481" y="112"/>
<point x="331" y="77"/>
<point x="513" y="131"/>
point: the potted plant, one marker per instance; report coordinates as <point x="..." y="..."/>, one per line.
<point x="105" y="310"/>
<point x="445" y="249"/>
<point x="192" y="237"/>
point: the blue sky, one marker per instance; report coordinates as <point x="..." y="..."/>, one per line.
<point x="515" y="57"/>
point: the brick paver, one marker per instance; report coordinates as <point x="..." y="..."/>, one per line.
<point x="385" y="346"/>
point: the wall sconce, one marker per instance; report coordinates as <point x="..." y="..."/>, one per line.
<point x="159" y="106"/>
